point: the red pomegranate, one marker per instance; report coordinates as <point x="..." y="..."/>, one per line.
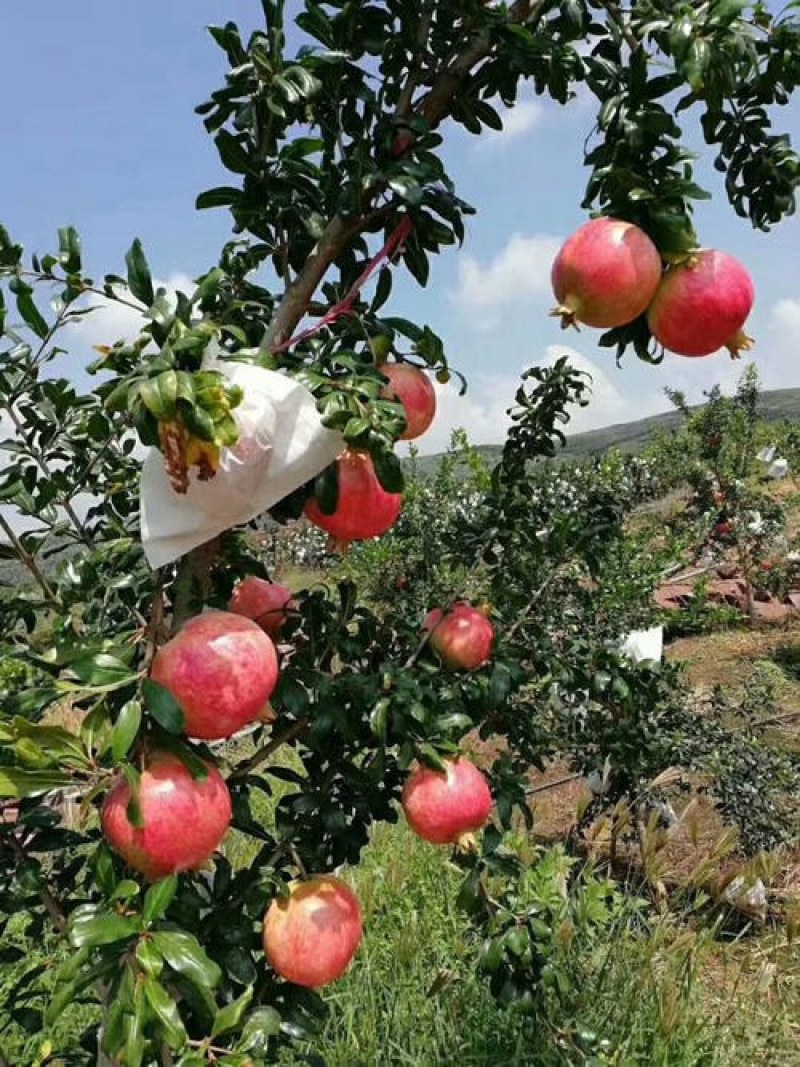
<point x="605" y="275"/>
<point x="184" y="819"/>
<point x="446" y="809"/>
<point x="311" y="935"/>
<point x="702" y="305"/>
<point x="413" y="388"/>
<point x="221" y="669"/>
<point x="364" y="509"/>
<point x="461" y="636"/>
<point x="267" y="603"/>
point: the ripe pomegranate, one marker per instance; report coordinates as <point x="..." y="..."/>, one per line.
<point x="446" y="809"/>
<point x="605" y="275"/>
<point x="221" y="669"/>
<point x="184" y="819"/>
<point x="311" y="936"/>
<point x="701" y="306"/>
<point x="413" y="388"/>
<point x="364" y="508"/>
<point x="461" y="636"/>
<point x="267" y="603"/>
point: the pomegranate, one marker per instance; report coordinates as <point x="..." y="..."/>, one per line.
<point x="462" y="636"/>
<point x="184" y="819"/>
<point x="446" y="808"/>
<point x="221" y="669"/>
<point x="702" y="305"/>
<point x="364" y="508"/>
<point x="413" y="388"/>
<point x="267" y="603"/>
<point x="311" y="936"/>
<point x="605" y="275"/>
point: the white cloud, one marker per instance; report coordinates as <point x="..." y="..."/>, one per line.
<point x="520" y="119"/>
<point x="482" y="411"/>
<point x="112" y="321"/>
<point x="520" y="270"/>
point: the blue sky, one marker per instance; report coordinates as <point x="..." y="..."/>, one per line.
<point x="99" y="132"/>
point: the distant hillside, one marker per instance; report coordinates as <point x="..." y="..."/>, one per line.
<point x="774" y="405"/>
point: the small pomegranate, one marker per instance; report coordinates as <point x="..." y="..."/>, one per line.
<point x="221" y="669"/>
<point x="447" y="808"/>
<point x="605" y="275"/>
<point x="462" y="636"/>
<point x="311" y="935"/>
<point x="184" y="819"/>
<point x="413" y="388"/>
<point x="364" y="509"/>
<point x="266" y="603"/>
<point x="702" y="305"/>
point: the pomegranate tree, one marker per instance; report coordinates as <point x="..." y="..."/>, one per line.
<point x="414" y="389"/>
<point x="461" y="636"/>
<point x="702" y="305"/>
<point x="446" y="807"/>
<point x="339" y="187"/>
<point x="182" y="819"/>
<point x="605" y="275"/>
<point x="311" y="935"/>
<point x="221" y="669"/>
<point x="363" y="507"/>
<point x="267" y="603"/>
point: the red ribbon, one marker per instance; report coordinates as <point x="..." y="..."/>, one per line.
<point x="345" y="306"/>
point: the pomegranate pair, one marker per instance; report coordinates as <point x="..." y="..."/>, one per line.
<point x="610" y="272"/>
<point x="364" y="509"/>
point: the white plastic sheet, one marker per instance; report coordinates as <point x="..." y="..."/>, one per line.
<point x="282" y="444"/>
<point x="779" y="468"/>
<point x="644" y="644"/>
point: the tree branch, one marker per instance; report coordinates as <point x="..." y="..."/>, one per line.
<point x="339" y="231"/>
<point x="29" y="561"/>
<point x="263" y="754"/>
<point x="54" y="909"/>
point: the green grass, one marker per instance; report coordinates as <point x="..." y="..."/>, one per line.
<point x="413" y="996"/>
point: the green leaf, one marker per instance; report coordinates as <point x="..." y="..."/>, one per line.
<point x="27" y="308"/>
<point x="261" y="1025"/>
<point x="134" y="808"/>
<point x="66" y="993"/>
<point x="69" y="246"/>
<point x="389" y="471"/>
<point x="185" y="955"/>
<point x="101" y="668"/>
<point x="139" y="280"/>
<point x="102" y="928"/>
<point x="158" y="898"/>
<point x="326" y="489"/>
<point x="166" y="1011"/>
<point x="125" y="729"/>
<point x="159" y="395"/>
<point x="15" y="782"/>
<point x="125" y="889"/>
<point x="149" y="958"/>
<point x="233" y="155"/>
<point x="163" y="706"/>
<point x="229" y="1017"/>
<point x="221" y="196"/>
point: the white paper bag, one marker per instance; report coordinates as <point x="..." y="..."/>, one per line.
<point x="282" y="444"/>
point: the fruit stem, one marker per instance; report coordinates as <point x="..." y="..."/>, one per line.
<point x="569" y="318"/>
<point x="466" y="843"/>
<point x="740" y="342"/>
